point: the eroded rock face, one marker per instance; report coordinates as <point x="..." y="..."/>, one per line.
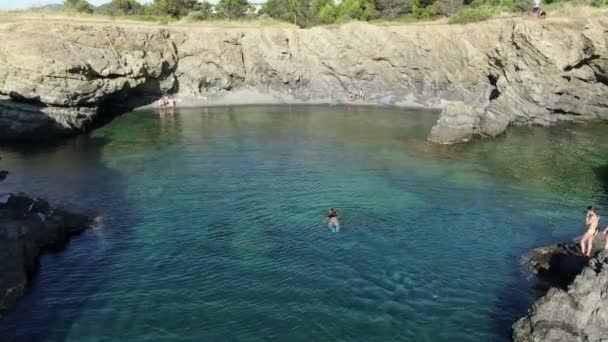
<point x="576" y="314"/>
<point x="28" y="227"/>
<point x="458" y="122"/>
<point x="494" y="74"/>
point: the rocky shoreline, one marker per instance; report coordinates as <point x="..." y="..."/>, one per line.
<point x="575" y="307"/>
<point x="29" y="227"/>
<point x="486" y="76"/>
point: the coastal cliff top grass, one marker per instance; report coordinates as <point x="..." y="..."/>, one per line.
<point x="557" y="12"/>
<point x="61" y="16"/>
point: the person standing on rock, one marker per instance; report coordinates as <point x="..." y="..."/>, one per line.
<point x="592" y="222"/>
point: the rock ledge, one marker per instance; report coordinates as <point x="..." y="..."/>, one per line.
<point x="29" y="227"/>
<point x="577" y="313"/>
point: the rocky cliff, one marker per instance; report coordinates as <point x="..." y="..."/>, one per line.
<point x="575" y="307"/>
<point x="60" y="78"/>
<point x="28" y="227"/>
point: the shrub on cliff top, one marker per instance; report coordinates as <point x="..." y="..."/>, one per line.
<point x="390" y="9"/>
<point x="472" y="14"/>
<point x="172" y="8"/>
<point x="123" y="7"/>
<point x="233" y="8"/>
<point x="81" y="6"/>
<point x="300" y="12"/>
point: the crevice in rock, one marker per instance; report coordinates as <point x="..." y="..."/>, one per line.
<point x="562" y="111"/>
<point x="495" y="93"/>
<point x="336" y="75"/>
<point x="603" y="79"/>
<point x="384" y="59"/>
<point x="35" y="101"/>
<point x="243" y="57"/>
<point x="581" y="63"/>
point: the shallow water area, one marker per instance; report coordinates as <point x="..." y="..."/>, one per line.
<point x="212" y="225"/>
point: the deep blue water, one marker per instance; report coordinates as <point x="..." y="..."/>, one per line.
<point x="213" y="226"/>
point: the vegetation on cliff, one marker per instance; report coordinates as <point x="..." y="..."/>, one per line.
<point x="308" y="13"/>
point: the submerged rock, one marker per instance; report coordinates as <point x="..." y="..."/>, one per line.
<point x="3" y="175"/>
<point x="27" y="228"/>
<point x="576" y="313"/>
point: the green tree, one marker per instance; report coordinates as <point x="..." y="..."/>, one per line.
<point x="233" y="8"/>
<point x="206" y="9"/>
<point x="81" y="6"/>
<point x="356" y="9"/>
<point x="173" y="8"/>
<point x="300" y="12"/>
<point x="327" y="14"/>
<point x="424" y="9"/>
<point x="278" y="9"/>
<point x="393" y="8"/>
<point x="449" y="7"/>
<point x="123" y="7"/>
<point x="203" y="11"/>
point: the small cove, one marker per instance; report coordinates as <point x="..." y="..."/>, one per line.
<point x="213" y="225"/>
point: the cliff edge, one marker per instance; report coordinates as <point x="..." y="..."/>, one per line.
<point x="59" y="78"/>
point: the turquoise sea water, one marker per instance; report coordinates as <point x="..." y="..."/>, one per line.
<point x="212" y="226"/>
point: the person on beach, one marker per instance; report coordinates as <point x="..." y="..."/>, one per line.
<point x="332" y="220"/>
<point x="166" y="102"/>
<point x="592" y="222"/>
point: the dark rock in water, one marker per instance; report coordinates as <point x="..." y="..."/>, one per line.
<point x="557" y="265"/>
<point x="579" y="313"/>
<point x="27" y="228"/>
<point x="3" y="175"/>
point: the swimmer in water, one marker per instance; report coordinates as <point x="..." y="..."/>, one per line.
<point x="332" y="220"/>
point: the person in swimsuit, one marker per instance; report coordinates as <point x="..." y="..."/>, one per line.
<point x="332" y="220"/>
<point x="606" y="237"/>
<point x="592" y="222"/>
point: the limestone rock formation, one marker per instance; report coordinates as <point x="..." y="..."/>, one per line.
<point x="28" y="227"/>
<point x="458" y="123"/>
<point x="576" y="314"/>
<point x="503" y="72"/>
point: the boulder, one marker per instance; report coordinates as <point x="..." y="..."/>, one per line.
<point x="27" y="228"/>
<point x="458" y="122"/>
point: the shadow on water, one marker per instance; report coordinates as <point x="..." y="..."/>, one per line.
<point x="72" y="174"/>
<point x="37" y="128"/>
